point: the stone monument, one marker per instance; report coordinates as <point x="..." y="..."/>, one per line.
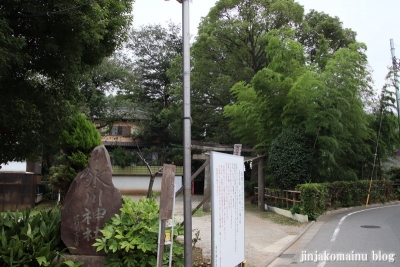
<point x="91" y="200"/>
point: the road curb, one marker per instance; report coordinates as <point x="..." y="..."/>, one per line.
<point x="279" y="253"/>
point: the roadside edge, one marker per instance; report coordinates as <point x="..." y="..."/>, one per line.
<point x="279" y="253"/>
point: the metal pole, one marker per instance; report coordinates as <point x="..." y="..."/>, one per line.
<point x="187" y="204"/>
<point x="161" y="243"/>
<point x="396" y="79"/>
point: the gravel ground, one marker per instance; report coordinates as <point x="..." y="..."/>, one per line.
<point x="262" y="237"/>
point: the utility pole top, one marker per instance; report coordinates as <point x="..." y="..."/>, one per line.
<point x="396" y="79"/>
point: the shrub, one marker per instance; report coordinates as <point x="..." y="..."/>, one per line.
<point x="77" y="143"/>
<point x="122" y="158"/>
<point x="347" y="194"/>
<point x="130" y="238"/>
<point x="291" y="160"/>
<point x="32" y="239"/>
<point x="313" y="198"/>
<point x="316" y="198"/>
<point x="61" y="176"/>
<point x="296" y="208"/>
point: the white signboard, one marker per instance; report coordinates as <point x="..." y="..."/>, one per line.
<point x="227" y="188"/>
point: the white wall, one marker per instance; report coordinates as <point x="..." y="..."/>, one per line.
<point x="138" y="185"/>
<point x="13" y="166"/>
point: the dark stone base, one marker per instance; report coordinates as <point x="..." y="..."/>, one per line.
<point x="88" y="260"/>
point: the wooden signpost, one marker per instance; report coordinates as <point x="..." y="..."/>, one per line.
<point x="167" y="206"/>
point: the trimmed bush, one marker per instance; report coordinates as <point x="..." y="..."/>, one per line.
<point x="317" y="198"/>
<point x="355" y="193"/>
<point x="291" y="159"/>
<point x="313" y="198"/>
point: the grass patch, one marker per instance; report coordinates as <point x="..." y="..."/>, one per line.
<point x="272" y="216"/>
<point x="45" y="205"/>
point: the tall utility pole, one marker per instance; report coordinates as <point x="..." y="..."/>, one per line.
<point x="187" y="166"/>
<point x="396" y="79"/>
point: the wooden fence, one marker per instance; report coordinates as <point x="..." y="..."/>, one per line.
<point x="282" y="198"/>
<point x="17" y="191"/>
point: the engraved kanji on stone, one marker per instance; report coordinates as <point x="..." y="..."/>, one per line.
<point x="87" y="235"/>
<point x="99" y="213"/>
<point x="85" y="210"/>
<point x="94" y="198"/>
<point x="96" y="232"/>
<point x="86" y="216"/>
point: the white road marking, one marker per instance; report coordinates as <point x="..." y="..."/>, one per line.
<point x="337" y="230"/>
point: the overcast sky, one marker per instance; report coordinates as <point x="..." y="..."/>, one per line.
<point x="376" y="22"/>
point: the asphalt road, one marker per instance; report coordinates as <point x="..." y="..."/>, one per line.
<point x="368" y="236"/>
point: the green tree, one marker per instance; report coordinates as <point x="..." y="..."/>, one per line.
<point x="384" y="121"/>
<point x="324" y="104"/>
<point x="155" y="48"/>
<point x="322" y="35"/>
<point x="77" y="144"/>
<point x="245" y="114"/>
<point x="102" y="89"/>
<point x="45" y="47"/>
<point x="123" y="158"/>
<point x="231" y="48"/>
<point x="268" y="90"/>
<point x="338" y="122"/>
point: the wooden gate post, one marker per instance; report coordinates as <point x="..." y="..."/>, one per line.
<point x="207" y="187"/>
<point x="261" y="185"/>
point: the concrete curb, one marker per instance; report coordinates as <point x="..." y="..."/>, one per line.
<point x="287" y="213"/>
<point x="279" y="253"/>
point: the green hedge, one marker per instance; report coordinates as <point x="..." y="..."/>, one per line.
<point x="318" y="198"/>
<point x="313" y="198"/>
